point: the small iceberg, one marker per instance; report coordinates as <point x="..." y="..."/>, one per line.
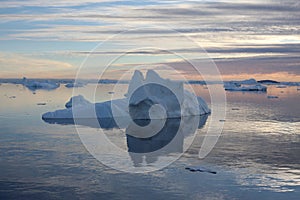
<point x="35" y="85"/>
<point x="272" y="97"/>
<point x="281" y="86"/>
<point x="251" y="81"/>
<point x="231" y="86"/>
<point x="147" y="98"/>
<point x="75" y="85"/>
<point x="200" y="169"/>
<point x="270" y="82"/>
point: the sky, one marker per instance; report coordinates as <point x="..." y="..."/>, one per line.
<point x="245" y="39"/>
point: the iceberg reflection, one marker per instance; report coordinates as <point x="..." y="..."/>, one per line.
<point x="167" y="141"/>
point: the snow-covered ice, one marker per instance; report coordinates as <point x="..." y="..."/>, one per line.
<point x="156" y="90"/>
<point x="152" y="97"/>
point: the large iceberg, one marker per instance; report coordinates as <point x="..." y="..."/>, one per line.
<point x="147" y="98"/>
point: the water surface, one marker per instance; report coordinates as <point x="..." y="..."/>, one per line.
<point x="257" y="155"/>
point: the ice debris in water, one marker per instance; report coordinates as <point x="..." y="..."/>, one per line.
<point x="75" y="85"/>
<point x="272" y="97"/>
<point x="200" y="169"/>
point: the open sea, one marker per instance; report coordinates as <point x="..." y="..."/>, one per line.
<point x="256" y="157"/>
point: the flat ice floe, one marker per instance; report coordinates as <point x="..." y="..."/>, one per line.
<point x="149" y="98"/>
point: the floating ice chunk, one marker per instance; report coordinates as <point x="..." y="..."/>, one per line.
<point x="272" y="97"/>
<point x="281" y="86"/>
<point x="200" y="169"/>
<point x="72" y="85"/>
<point x="268" y="82"/>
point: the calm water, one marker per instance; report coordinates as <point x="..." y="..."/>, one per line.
<point x="257" y="155"/>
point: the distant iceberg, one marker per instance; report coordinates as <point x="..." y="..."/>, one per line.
<point x="237" y="87"/>
<point x="290" y="83"/>
<point x="272" y="97"/>
<point x="35" y="85"/>
<point x="149" y="98"/>
<point x="244" y="85"/>
<point x="268" y="82"/>
<point x="281" y="86"/>
<point x="251" y="81"/>
<point x="72" y="85"/>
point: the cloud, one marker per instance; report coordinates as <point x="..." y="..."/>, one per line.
<point x="228" y="30"/>
<point x="45" y="3"/>
<point x="16" y="65"/>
